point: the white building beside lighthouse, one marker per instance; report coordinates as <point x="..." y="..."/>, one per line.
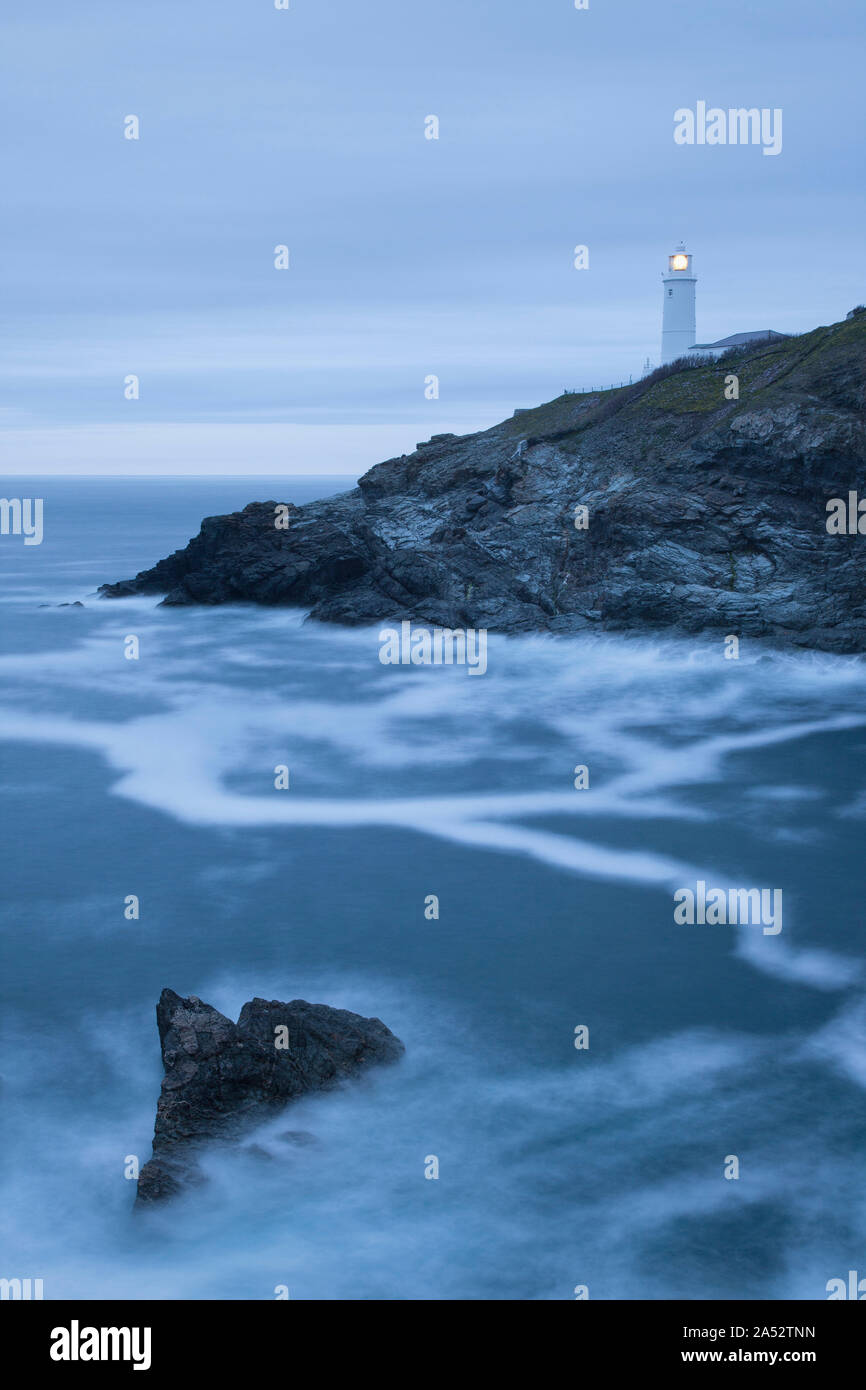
<point x="678" y="314"/>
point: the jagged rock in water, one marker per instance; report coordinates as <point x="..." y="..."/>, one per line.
<point x="705" y="514"/>
<point x="221" y="1078"/>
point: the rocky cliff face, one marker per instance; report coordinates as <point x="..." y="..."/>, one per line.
<point x="222" y="1077"/>
<point x="704" y="513"/>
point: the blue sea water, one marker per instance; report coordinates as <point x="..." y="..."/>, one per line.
<point x="558" y="1167"/>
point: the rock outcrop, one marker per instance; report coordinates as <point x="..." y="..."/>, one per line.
<point x="221" y="1078"/>
<point x="705" y="513"/>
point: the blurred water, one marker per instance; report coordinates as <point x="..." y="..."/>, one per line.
<point x="558" y="1167"/>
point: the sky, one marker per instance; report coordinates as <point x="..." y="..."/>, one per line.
<point x="409" y="258"/>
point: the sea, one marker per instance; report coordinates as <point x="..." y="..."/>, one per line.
<point x="596" y="1100"/>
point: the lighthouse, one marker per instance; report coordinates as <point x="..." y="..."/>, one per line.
<point x="678" y="313"/>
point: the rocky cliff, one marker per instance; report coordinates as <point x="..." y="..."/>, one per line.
<point x="705" y="511"/>
<point x="221" y="1078"/>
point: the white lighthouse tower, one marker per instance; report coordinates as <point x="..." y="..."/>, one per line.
<point x="678" y="314"/>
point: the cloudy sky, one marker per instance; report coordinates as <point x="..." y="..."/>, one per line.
<point x="409" y="257"/>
